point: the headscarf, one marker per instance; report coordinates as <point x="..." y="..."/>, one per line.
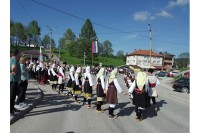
<point x="72" y="69"/>
<point x="112" y="75"/>
<point x="141" y="79"/>
<point x="78" y="70"/>
<point x="101" y="72"/>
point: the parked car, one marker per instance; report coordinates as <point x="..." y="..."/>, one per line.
<point x="182" y="85"/>
<point x="161" y="74"/>
<point x="187" y="74"/>
<point x="172" y="74"/>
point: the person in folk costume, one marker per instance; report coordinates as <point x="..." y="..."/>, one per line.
<point x="139" y="89"/>
<point x="87" y="87"/>
<point x="71" y="81"/>
<point x="61" y="78"/>
<point x="152" y="82"/>
<point x="37" y="71"/>
<point x="77" y="89"/>
<point x="112" y="87"/>
<point x="100" y="89"/>
<point x="53" y="76"/>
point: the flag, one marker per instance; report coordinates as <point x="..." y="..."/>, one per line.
<point x="94" y="47"/>
<point x="41" y="58"/>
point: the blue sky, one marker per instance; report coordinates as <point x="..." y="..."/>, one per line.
<point x="169" y="20"/>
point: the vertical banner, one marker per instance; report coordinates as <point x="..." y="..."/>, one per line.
<point x="94" y="47"/>
<point x="41" y="58"/>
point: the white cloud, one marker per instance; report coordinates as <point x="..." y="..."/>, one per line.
<point x="130" y="36"/>
<point x="172" y="4"/>
<point x="164" y="13"/>
<point x="141" y="16"/>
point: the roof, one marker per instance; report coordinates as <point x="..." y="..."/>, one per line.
<point x="145" y="52"/>
<point x="31" y="52"/>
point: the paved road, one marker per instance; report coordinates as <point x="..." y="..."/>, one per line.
<point x="59" y="114"/>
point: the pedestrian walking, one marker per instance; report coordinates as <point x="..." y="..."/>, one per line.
<point x="112" y="87"/>
<point x="100" y="89"/>
<point x="77" y="89"/>
<point x="153" y="82"/>
<point x="139" y="90"/>
<point x="71" y="81"/>
<point x="15" y="78"/>
<point x="87" y="87"/>
<point x="23" y="84"/>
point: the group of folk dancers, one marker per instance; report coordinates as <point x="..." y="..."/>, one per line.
<point x="79" y="83"/>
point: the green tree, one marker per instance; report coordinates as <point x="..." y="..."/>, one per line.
<point x="86" y="37"/>
<point x="107" y="49"/>
<point x="18" y="33"/>
<point x="33" y="32"/>
<point x="120" y="54"/>
<point x="46" y="41"/>
<point x="183" y="60"/>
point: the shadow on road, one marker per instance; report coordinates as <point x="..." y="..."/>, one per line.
<point x="150" y="112"/>
<point x="52" y="103"/>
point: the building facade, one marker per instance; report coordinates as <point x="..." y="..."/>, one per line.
<point x="142" y="59"/>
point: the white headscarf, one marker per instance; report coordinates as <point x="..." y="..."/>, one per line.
<point x="78" y="70"/>
<point x="72" y="69"/>
<point x="87" y="74"/>
<point x="101" y="72"/>
<point x="112" y="75"/>
<point x="141" y="79"/>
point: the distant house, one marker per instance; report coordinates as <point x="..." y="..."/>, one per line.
<point x="32" y="54"/>
<point x="141" y="58"/>
<point x="168" y="60"/>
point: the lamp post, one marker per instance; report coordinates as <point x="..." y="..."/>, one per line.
<point x="150" y="42"/>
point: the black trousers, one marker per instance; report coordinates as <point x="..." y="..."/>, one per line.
<point x="99" y="103"/>
<point x="153" y="100"/>
<point x="13" y="93"/>
<point x="22" y="91"/>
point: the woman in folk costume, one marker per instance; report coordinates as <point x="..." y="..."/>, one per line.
<point x="152" y="83"/>
<point x="61" y="78"/>
<point x="77" y="89"/>
<point x="139" y="89"/>
<point x="87" y="87"/>
<point x="53" y="76"/>
<point x="71" y="80"/>
<point x="100" y="89"/>
<point x="112" y="87"/>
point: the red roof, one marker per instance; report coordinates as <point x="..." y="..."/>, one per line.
<point x="144" y="52"/>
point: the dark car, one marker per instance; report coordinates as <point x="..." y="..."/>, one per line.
<point x="182" y="85"/>
<point x="162" y="74"/>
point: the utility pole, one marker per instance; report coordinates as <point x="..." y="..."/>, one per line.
<point x="50" y="42"/>
<point x="59" y="54"/>
<point x="150" y="42"/>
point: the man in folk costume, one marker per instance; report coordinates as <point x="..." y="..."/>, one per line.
<point x="112" y="87"/>
<point x="53" y="76"/>
<point x="77" y="89"/>
<point x="71" y="81"/>
<point x="87" y="87"/>
<point x="152" y="82"/>
<point x="139" y="89"/>
<point x="100" y="89"/>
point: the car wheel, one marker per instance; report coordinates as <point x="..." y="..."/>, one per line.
<point x="185" y="90"/>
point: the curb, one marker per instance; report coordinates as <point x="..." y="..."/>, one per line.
<point x="32" y="105"/>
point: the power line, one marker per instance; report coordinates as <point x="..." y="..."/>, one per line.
<point x="24" y="9"/>
<point x="80" y="17"/>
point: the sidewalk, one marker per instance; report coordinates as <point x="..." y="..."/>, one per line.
<point x="33" y="96"/>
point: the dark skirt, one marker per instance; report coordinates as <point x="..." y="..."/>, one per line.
<point x="140" y="100"/>
<point x="87" y="89"/>
<point x="112" y="94"/>
<point x="100" y="93"/>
